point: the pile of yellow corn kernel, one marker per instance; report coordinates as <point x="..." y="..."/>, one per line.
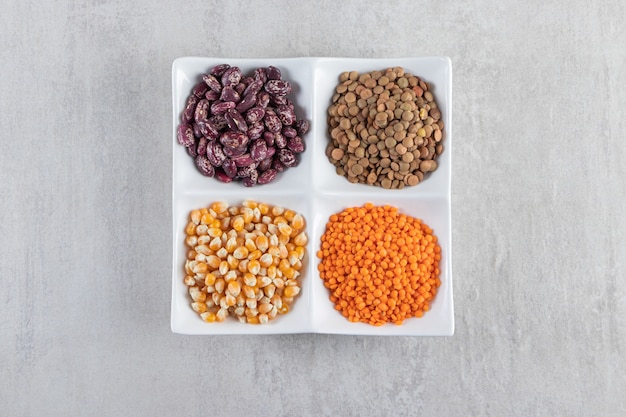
<point x="244" y="261"/>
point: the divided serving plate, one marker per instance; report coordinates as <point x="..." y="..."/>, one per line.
<point x="316" y="191"/>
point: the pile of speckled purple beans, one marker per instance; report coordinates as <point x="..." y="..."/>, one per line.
<point x="240" y="127"/>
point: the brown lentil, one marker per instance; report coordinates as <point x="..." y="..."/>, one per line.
<point x="385" y="119"/>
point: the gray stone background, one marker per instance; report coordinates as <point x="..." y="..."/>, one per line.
<point x="538" y="196"/>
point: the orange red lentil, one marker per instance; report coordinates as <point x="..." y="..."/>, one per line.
<point x="379" y="265"/>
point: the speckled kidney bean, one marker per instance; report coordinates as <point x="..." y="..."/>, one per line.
<point x="273" y="73"/>
<point x="272" y="122"/>
<point x="255" y="114"/>
<point x="235" y="120"/>
<point x="229" y="167"/>
<point x="278" y="87"/>
<point x="280" y="140"/>
<point x="296" y="144"/>
<point x="233" y="139"/>
<point x="267" y="177"/>
<point x="253" y="88"/>
<point x="263" y="99"/>
<point x="233" y="152"/>
<point x="202" y="145"/>
<point x="302" y="126"/>
<point x="229" y="94"/>
<point x="243" y="160"/>
<point x="218" y="70"/>
<point x="242" y="127"/>
<point x="260" y="74"/>
<point x="289" y="132"/>
<point x="265" y="164"/>
<point x="219" y="122"/>
<point x="204" y="166"/>
<point x="268" y="137"/>
<point x="221" y="107"/>
<point x="251" y="180"/>
<point x="212" y="95"/>
<point x="208" y="129"/>
<point x="231" y="76"/>
<point x="258" y="150"/>
<point x="200" y="89"/>
<point x="287" y="157"/>
<point x="222" y="176"/>
<point x="256" y="130"/>
<point x="185" y="134"/>
<point x="190" y="109"/>
<point x="212" y="82"/>
<point x="286" y="114"/>
<point x="215" y="154"/>
<point x="246" y="103"/>
<point x="278" y="166"/>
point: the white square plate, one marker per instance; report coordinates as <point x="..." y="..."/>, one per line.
<point x="315" y="190"/>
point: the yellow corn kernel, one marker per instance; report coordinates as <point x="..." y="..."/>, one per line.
<point x="225" y="223"/>
<point x="219" y="206"/>
<point x="260" y="227"/>
<point x="214" y="232"/>
<point x="284" y="309"/>
<point x="248" y="214"/>
<point x="220" y="285"/>
<point x="254" y="266"/>
<point x="230" y="300"/>
<point x="215" y="244"/>
<point x="231" y="245"/>
<point x="216" y="297"/>
<point x="283" y="239"/>
<point x="283" y="265"/>
<point x="264" y="308"/>
<point x="238" y="223"/>
<point x="250" y="245"/>
<point x="250" y="204"/>
<point x="263" y="318"/>
<point x="202" y="229"/>
<point x="243" y="266"/>
<point x="252" y="320"/>
<point x="254" y="255"/>
<point x="263" y="208"/>
<point x="215" y="224"/>
<point x="233" y="262"/>
<point x="191" y="240"/>
<point x="221" y="314"/>
<point x="297" y="222"/>
<point x="279" y="283"/>
<point x="203" y="249"/>
<point x="189" y="280"/>
<point x="291" y="291"/>
<point x="284" y="229"/>
<point x="272" y="271"/>
<point x="300" y="250"/>
<point x="289" y="273"/>
<point x="283" y="253"/>
<point x="274" y="251"/>
<point x="293" y="258"/>
<point x="273" y="240"/>
<point x="289" y="215"/>
<point x="206" y="219"/>
<point x="266" y="260"/>
<point x="191" y="254"/>
<point x="240" y="253"/>
<point x="269" y="290"/>
<point x="204" y="211"/>
<point x="194" y="216"/>
<point x="200" y="268"/>
<point x="209" y="279"/>
<point x="199" y="307"/>
<point x="248" y="291"/>
<point x="208" y="316"/>
<point x="223" y="268"/>
<point x="213" y="261"/>
<point x="249" y="279"/>
<point x="230" y="276"/>
<point x="279" y="220"/>
<point x="264" y="282"/>
<point x="234" y="288"/>
<point x="190" y="229"/>
<point x="251" y="302"/>
<point x="277" y="210"/>
<point x="301" y="239"/>
<point x="197" y="295"/>
<point x="222" y="253"/>
<point x="189" y="264"/>
<point x="262" y="243"/>
<point x="241" y="301"/>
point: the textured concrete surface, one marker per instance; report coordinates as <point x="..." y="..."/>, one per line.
<point x="539" y="190"/>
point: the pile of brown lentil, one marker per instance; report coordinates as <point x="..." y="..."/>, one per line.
<point x="385" y="128"/>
